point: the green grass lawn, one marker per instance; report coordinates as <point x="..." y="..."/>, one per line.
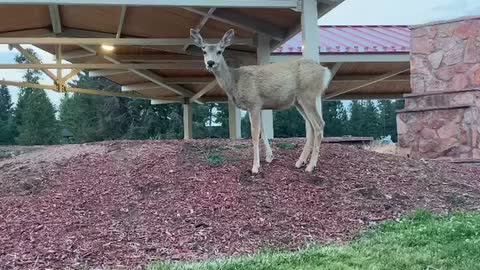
<point x="422" y="241"/>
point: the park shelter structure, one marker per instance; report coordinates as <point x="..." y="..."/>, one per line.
<point x="144" y="46"/>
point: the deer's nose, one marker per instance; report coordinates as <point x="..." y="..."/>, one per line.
<point x="210" y="63"/>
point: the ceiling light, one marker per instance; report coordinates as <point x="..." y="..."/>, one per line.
<point x="108" y="48"/>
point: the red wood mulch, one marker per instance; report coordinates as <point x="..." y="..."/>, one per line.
<point x="124" y="204"/>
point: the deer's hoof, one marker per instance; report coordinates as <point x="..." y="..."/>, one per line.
<point x="269" y="158"/>
<point x="299" y="164"/>
<point x="255" y="169"/>
<point x="310" y="168"/>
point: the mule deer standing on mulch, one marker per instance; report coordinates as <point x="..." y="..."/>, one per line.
<point x="275" y="86"/>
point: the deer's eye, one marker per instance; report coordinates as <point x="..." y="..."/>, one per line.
<point x="219" y="52"/>
<point x="204" y="52"/>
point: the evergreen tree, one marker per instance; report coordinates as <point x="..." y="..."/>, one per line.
<point x="335" y="117"/>
<point x="371" y="120"/>
<point x="95" y="118"/>
<point x="388" y="118"/>
<point x="355" y="123"/>
<point x="288" y="123"/>
<point x="35" y="114"/>
<point x="7" y="126"/>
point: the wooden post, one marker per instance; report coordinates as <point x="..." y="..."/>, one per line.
<point x="187" y="121"/>
<point x="263" y="58"/>
<point x="310" y="34"/>
<point x="234" y="121"/>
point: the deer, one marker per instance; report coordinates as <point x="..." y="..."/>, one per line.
<point x="278" y="86"/>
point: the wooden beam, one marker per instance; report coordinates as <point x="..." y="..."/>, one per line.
<point x="157" y="58"/>
<point x="167" y="80"/>
<point x="202" y="23"/>
<point x="121" y="21"/>
<point x="104" y="66"/>
<point x="366" y="96"/>
<point x="111" y="41"/>
<point x="362" y="78"/>
<point x="140" y="86"/>
<point x="105" y="93"/>
<point x="348" y="58"/>
<point x="204" y="90"/>
<point x="34" y="60"/>
<point x="58" y="56"/>
<point x="55" y="18"/>
<point x="73" y="89"/>
<point x="153" y="77"/>
<point x="244" y="22"/>
<point x="76" y="54"/>
<point x="147" y="74"/>
<point x="166" y="3"/>
<point x="322" y="9"/>
<point x="263" y="58"/>
<point x="310" y="34"/>
<point x="335" y="69"/>
<point x="370" y="82"/>
<point x="30" y="85"/>
<point x="187" y="121"/>
<point x="39" y="32"/>
<point x="71" y="75"/>
<point x="108" y="72"/>
<point x="234" y="121"/>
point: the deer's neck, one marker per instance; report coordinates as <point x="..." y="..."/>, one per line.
<point x="226" y="78"/>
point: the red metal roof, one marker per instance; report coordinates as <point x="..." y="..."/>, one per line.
<point x="355" y="39"/>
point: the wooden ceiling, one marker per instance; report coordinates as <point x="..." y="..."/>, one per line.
<point x="160" y="22"/>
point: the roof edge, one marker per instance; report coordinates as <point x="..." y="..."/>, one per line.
<point x="459" y="19"/>
<point x="363" y="25"/>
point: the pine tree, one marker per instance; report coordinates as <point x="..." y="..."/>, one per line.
<point x="335" y="117"/>
<point x="288" y="123"/>
<point x="371" y="120"/>
<point x="388" y="118"/>
<point x="355" y="123"/>
<point x="7" y="127"/>
<point x="35" y="114"/>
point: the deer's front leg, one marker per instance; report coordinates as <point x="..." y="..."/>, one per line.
<point x="255" y="125"/>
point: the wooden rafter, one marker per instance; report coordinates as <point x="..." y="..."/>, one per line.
<point x="369" y="82"/>
<point x="147" y="74"/>
<point x="55" y="18"/>
<point x="104" y="66"/>
<point x="110" y="41"/>
<point x="34" y="60"/>
<point x="247" y="23"/>
<point x="204" y="90"/>
<point x="121" y="21"/>
<point x="202" y="23"/>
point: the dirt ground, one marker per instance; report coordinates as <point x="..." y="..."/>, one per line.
<point x="122" y="204"/>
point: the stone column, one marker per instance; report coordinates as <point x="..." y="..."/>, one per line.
<point x="441" y="118"/>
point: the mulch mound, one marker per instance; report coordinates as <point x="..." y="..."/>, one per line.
<point x="123" y="204"/>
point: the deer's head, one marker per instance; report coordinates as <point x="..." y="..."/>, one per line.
<point x="212" y="53"/>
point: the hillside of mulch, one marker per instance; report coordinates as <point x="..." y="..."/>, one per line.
<point x="120" y="205"/>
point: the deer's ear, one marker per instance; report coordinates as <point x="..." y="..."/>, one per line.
<point x="228" y="38"/>
<point x="196" y="38"/>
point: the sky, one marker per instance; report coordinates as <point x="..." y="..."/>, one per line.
<point x="350" y="12"/>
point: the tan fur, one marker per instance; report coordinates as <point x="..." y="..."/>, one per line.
<point x="277" y="86"/>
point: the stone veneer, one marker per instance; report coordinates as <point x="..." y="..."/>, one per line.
<point x="441" y="118"/>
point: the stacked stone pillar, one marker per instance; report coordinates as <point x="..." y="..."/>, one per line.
<point x="441" y="118"/>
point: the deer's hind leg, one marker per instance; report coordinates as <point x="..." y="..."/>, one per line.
<point x="268" y="149"/>
<point x="312" y="111"/>
<point x="307" y="149"/>
<point x="255" y="123"/>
